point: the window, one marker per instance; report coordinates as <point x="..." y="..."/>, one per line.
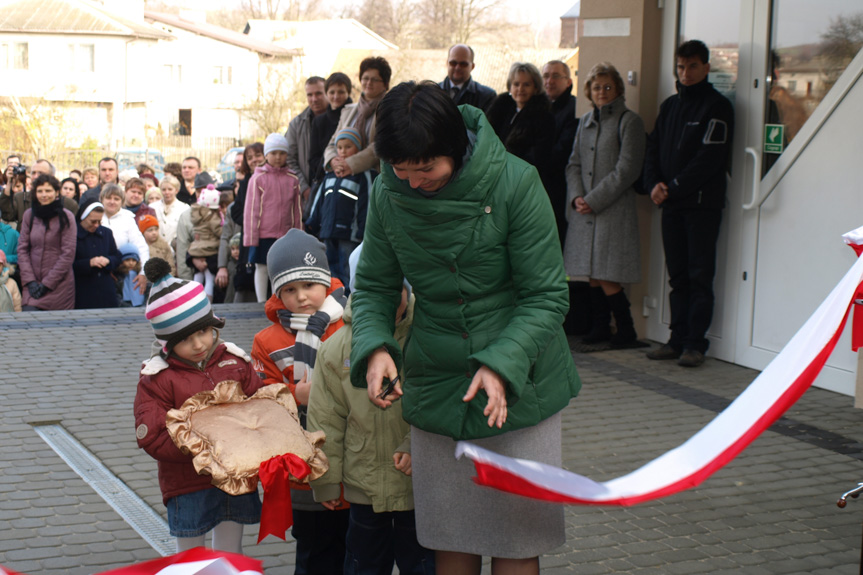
<point x="82" y="57"/>
<point x="21" y="56"/>
<point x="222" y="75"/>
<point x="173" y="73"/>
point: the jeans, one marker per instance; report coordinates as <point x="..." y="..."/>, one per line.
<point x="375" y="540"/>
<point x="689" y="238"/>
<point x="320" y="537"/>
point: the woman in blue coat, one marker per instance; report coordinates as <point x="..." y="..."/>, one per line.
<point x="95" y="257"/>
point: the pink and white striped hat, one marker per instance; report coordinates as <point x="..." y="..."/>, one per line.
<point x="177" y="308"/>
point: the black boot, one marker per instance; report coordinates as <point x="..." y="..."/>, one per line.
<point x="577" y="321"/>
<point x="625" y="334"/>
<point x="600" y="317"/>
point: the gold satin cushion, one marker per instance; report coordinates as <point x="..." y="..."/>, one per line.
<point x="229" y="435"/>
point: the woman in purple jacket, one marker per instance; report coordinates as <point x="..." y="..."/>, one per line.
<point x="46" y="248"/>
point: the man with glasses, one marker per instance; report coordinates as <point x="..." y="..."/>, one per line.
<point x="685" y="174"/>
<point x="459" y="85"/>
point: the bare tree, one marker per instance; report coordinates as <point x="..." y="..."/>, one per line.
<point x="392" y="19"/>
<point x="447" y="22"/>
<point x="839" y="44"/>
<point x="261" y="9"/>
<point x="278" y="98"/>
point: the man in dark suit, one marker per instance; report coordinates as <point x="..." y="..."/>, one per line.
<point x="459" y="85"/>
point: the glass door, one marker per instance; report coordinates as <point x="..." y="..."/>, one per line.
<point x="796" y="104"/>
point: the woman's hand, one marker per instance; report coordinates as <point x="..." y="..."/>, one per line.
<point x="581" y="206"/>
<point x="99" y="262"/>
<point x="303" y="390"/>
<point x="340" y="167"/>
<point x="494" y="388"/>
<point x="402" y="462"/>
<point x="381" y="365"/>
<point x="332" y="504"/>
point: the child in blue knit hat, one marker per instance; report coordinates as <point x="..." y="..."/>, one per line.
<point x="338" y="215"/>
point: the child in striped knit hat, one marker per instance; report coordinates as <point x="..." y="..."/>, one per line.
<point x="191" y="358"/>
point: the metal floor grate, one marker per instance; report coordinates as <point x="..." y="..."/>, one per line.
<point x="117" y="494"/>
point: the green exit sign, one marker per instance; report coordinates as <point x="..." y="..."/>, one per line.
<point x="774" y="138"/>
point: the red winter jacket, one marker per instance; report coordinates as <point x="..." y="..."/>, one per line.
<point x="165" y="385"/>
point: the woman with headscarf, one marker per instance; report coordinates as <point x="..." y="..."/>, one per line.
<point x="96" y="256"/>
<point x="46" y="248"/>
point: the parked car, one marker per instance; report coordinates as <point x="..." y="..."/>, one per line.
<point x="133" y="157"/>
<point x="226" y="164"/>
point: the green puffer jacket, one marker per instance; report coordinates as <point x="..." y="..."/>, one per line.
<point x="361" y="439"/>
<point x="484" y="260"/>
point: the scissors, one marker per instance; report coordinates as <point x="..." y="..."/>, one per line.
<point x="389" y="388"/>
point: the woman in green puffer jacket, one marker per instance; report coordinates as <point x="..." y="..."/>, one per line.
<point x="471" y="228"/>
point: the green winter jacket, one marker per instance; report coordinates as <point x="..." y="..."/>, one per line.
<point x="484" y="260"/>
<point x="361" y="439"/>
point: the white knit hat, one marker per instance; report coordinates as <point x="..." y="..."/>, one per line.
<point x="275" y="142"/>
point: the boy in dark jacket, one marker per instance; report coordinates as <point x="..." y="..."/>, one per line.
<point x="339" y="213"/>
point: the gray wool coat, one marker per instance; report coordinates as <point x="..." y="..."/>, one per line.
<point x="607" y="158"/>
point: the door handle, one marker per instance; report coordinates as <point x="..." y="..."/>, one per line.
<point x="756" y="180"/>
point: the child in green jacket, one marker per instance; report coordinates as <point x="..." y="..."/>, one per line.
<point x="369" y="453"/>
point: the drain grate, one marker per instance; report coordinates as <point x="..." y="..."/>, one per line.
<point x="117" y="494"/>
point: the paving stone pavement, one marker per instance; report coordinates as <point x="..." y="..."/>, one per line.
<point x="772" y="510"/>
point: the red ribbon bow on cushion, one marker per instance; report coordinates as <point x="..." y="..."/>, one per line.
<point x="276" y="516"/>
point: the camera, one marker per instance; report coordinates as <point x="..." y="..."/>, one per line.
<point x="19" y="170"/>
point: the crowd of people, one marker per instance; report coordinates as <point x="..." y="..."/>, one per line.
<point x="481" y="216"/>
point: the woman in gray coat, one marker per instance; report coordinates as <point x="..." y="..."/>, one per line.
<point x="602" y="237"/>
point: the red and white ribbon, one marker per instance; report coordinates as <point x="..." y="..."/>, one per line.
<point x="776" y="389"/>
<point x="197" y="561"/>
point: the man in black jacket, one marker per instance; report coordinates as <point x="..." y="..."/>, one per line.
<point x="557" y="81"/>
<point x="458" y="83"/>
<point x="685" y="174"/>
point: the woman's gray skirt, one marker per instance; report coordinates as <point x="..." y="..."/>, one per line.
<point x="455" y="514"/>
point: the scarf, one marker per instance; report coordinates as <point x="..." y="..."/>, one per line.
<point x="47" y="213"/>
<point x="309" y="329"/>
<point x="365" y="110"/>
<point x="134" y="209"/>
<point x="130" y="292"/>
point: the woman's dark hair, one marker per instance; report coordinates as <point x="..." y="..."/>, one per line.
<point x="418" y="122"/>
<point x="74" y="183"/>
<point x="55" y="209"/>
<point x="45" y="179"/>
<point x="381" y="65"/>
<point x="339" y="78"/>
<point x="245" y="167"/>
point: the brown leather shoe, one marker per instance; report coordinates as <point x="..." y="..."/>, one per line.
<point x="664" y="352"/>
<point x="691" y="358"/>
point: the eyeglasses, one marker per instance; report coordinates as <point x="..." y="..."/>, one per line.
<point x="601" y="88"/>
<point x="370" y="80"/>
<point x="462" y="64"/>
<point x="553" y="76"/>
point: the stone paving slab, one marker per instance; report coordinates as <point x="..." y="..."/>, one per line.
<point x="772" y="510"/>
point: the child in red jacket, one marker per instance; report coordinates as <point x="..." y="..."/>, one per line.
<point x="192" y="359"/>
<point x="306" y="308"/>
